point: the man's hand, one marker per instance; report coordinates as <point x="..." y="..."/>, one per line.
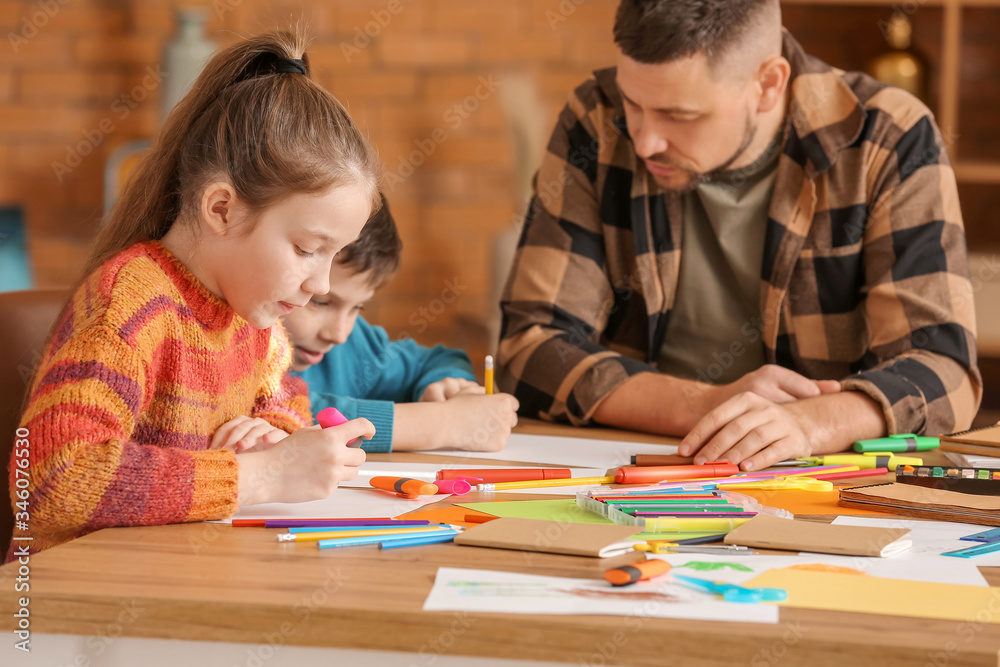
<point x="444" y="389"/>
<point x="775" y="383"/>
<point x="755" y="432"/>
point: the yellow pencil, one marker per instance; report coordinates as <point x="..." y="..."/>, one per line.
<point x="313" y="537"/>
<point x="541" y="483"/>
<point x="488" y="380"/>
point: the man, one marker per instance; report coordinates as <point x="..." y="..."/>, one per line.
<point x="732" y="241"/>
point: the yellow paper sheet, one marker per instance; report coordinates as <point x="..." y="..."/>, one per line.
<point x="876" y="595"/>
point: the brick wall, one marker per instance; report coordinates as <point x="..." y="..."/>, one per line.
<point x="75" y="84"/>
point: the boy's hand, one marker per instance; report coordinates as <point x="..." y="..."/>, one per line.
<point x="478" y="423"/>
<point x="307" y="465"/>
<point x="447" y="388"/>
<point x="245" y="434"/>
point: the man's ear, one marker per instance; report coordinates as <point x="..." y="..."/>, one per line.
<point x="218" y="202"/>
<point x="772" y="78"/>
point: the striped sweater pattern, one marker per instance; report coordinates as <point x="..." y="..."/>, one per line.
<point x="142" y="368"/>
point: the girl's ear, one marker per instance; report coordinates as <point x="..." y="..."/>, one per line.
<point x="218" y="202"/>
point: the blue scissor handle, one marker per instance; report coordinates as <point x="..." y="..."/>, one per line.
<point x="734" y="593"/>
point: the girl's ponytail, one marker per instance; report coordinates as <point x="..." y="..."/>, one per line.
<point x="255" y="117"/>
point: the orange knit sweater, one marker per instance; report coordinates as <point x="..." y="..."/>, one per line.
<point x="143" y="366"/>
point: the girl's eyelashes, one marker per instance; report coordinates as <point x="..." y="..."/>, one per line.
<point x="303" y="253"/>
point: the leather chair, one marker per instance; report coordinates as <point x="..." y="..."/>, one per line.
<point x="25" y="320"/>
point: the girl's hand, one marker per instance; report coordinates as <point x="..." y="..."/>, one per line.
<point x="442" y="390"/>
<point x="245" y="434"/>
<point x="307" y="465"/>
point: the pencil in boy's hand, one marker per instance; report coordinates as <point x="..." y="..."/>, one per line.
<point x="488" y="380"/>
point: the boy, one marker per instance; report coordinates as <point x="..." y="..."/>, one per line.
<point x="417" y="397"/>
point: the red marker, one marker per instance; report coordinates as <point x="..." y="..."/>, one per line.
<point x="328" y="417"/>
<point x="655" y="474"/>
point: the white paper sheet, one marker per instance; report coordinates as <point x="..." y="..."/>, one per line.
<point x="582" y="452"/>
<point x="930" y="538"/>
<point x="343" y="503"/>
<point x="458" y="589"/>
<point x="737" y="569"/>
<point x="428" y="472"/>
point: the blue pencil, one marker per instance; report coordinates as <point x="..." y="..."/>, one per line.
<point x="334" y="543"/>
<point x="417" y="541"/>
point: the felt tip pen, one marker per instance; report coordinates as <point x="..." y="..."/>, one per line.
<point x="630" y="574"/>
<point x="491" y="476"/>
<point x="654" y="474"/>
<point x="866" y="460"/>
<point x="544" y="483"/>
<point x="695" y="525"/>
<point x="900" y="442"/>
<point x="328" y="417"/>
<point x="404" y="486"/>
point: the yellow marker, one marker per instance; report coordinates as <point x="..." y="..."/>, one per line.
<point x="488" y="380"/>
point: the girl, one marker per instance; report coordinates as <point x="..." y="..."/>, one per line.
<point x="257" y="179"/>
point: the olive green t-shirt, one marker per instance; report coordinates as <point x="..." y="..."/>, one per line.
<point x="714" y="333"/>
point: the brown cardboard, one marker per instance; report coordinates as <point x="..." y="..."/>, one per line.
<point x="924" y="502"/>
<point x="575" y="539"/>
<point x="769" y="532"/>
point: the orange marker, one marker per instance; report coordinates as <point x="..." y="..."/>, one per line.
<point x="629" y="574"/>
<point x="404" y="486"/>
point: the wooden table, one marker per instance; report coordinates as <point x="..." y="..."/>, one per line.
<point x="218" y="583"/>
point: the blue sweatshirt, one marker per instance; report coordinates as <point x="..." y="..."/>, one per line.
<point x="366" y="375"/>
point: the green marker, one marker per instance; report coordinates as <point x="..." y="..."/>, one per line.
<point x="901" y="442"/>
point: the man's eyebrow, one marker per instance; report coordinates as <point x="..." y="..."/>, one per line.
<point x="669" y="110"/>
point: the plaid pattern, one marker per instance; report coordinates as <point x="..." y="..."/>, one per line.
<point x="865" y="274"/>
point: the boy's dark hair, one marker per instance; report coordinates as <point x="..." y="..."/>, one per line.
<point x="376" y="249"/>
<point x="659" y="31"/>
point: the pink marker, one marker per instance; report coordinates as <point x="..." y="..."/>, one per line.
<point x="328" y="417"/>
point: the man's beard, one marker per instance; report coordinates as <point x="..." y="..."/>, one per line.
<point x="695" y="178"/>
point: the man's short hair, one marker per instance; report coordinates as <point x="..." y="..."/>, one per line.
<point x="376" y="249"/>
<point x="659" y="31"/>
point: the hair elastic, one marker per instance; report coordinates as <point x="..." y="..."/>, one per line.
<point x="290" y="66"/>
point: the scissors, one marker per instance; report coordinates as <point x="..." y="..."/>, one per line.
<point x="784" y="484"/>
<point x="732" y="592"/>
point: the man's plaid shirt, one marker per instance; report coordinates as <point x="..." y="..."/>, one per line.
<point x="865" y="274"/>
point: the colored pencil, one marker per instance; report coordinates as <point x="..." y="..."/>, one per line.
<point x="363" y="541"/>
<point x="426" y="539"/>
<point x="315" y="537"/>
